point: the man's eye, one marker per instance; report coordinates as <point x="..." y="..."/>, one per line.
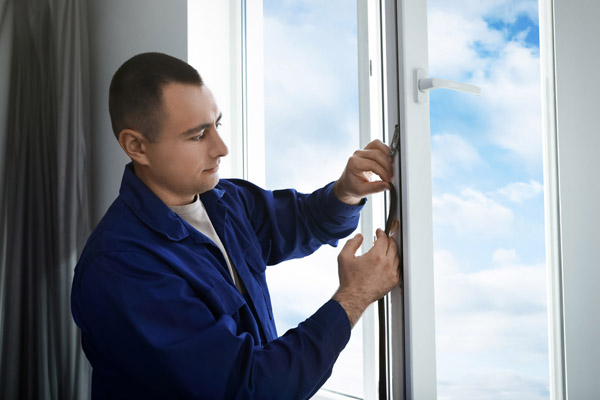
<point x="198" y="138"/>
<point x="218" y="124"/>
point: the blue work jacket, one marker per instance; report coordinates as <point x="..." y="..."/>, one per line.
<point x="159" y="313"/>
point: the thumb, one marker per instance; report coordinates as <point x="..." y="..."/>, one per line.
<point x="352" y="245"/>
<point x="374" y="187"/>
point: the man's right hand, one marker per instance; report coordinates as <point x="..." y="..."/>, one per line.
<point x="366" y="278"/>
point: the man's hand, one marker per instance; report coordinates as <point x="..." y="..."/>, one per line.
<point x="367" y="278"/>
<point x="354" y="184"/>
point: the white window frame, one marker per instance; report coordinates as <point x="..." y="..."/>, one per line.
<point x="370" y="96"/>
<point x="415" y="377"/>
<point x="254" y="93"/>
<point x="556" y="348"/>
<point x="572" y="192"/>
<point x="234" y="32"/>
<point x="219" y="61"/>
<point x="413" y="362"/>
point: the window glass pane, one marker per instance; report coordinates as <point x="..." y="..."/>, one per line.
<point x="488" y="204"/>
<point x="311" y="128"/>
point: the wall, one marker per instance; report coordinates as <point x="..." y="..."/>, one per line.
<point x="118" y="30"/>
<point x="577" y="61"/>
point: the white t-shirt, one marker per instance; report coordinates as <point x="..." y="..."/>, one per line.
<point x="195" y="215"/>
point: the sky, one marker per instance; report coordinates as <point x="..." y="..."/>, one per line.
<point x="488" y="210"/>
<point x="311" y="128"/>
<point x="487" y="181"/>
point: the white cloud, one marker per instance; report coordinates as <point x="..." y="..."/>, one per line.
<point x="305" y="167"/>
<point x="462" y="46"/>
<point x="499" y="10"/>
<point x="302" y="76"/>
<point x="508" y="10"/>
<point x="452" y="40"/>
<point x="504" y="256"/>
<point x="511" y="100"/>
<point x="496" y="385"/>
<point x="519" y="192"/>
<point x="295" y="75"/>
<point x="450" y="153"/>
<point x="310" y="92"/>
<point x="505" y="287"/>
<point x="489" y="324"/>
<point x="471" y="212"/>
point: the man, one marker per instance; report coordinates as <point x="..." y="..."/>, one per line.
<point x="170" y="291"/>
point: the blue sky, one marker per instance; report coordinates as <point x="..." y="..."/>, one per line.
<point x="491" y="328"/>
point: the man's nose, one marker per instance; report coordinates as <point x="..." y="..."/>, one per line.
<point x="219" y="148"/>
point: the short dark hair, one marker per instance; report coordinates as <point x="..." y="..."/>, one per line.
<point x="135" y="95"/>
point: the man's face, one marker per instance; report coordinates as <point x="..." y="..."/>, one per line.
<point x="184" y="161"/>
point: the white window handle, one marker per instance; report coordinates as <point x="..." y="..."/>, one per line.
<point x="423" y="84"/>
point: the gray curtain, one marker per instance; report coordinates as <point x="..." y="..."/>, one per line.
<point x="45" y="212"/>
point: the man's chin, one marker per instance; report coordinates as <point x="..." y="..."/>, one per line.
<point x="210" y="185"/>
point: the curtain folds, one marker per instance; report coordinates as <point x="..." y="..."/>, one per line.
<point x="45" y="209"/>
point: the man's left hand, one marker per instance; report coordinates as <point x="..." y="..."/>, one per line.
<point x="355" y="182"/>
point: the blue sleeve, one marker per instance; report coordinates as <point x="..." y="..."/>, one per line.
<point x="149" y="334"/>
<point x="289" y="224"/>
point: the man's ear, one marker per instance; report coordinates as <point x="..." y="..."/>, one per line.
<point x="135" y="145"/>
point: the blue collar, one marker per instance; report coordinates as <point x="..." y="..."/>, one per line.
<point x="152" y="211"/>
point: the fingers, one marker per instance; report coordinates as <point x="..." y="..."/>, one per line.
<point x="366" y="188"/>
<point x="354" y="184"/>
<point x="377" y="144"/>
<point x="394" y="228"/>
<point x="380" y="233"/>
<point x="378" y="162"/>
<point x="359" y="166"/>
<point x="392" y="247"/>
<point x="352" y="245"/>
<point x="381" y="241"/>
<point x="385" y="244"/>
